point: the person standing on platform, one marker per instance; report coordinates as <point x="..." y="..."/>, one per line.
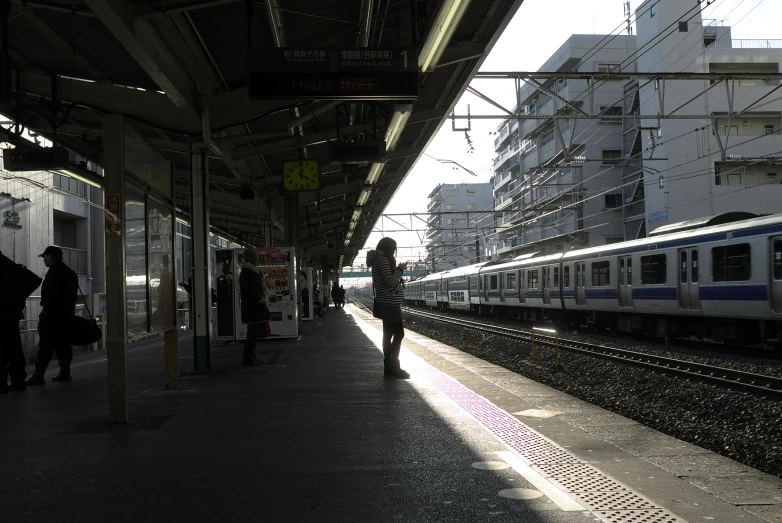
<point x="255" y="313"/>
<point x="335" y="295"/>
<point x="388" y="287"/>
<point x="18" y="283"/>
<point x="342" y="296"/>
<point x="58" y="301"/>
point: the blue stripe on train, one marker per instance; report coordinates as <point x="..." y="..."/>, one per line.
<point x="601" y="294"/>
<point x="533" y="294"/>
<point x="734" y="293"/>
<point x="758" y="231"/>
<point x="569" y="294"/>
<point x="654" y="293"/>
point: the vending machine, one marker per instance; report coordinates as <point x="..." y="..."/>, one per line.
<point x="278" y="268"/>
<point x="306" y="292"/>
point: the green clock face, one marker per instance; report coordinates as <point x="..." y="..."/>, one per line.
<point x="301" y="175"/>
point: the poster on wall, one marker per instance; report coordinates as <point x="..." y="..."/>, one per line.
<point x="113" y="219"/>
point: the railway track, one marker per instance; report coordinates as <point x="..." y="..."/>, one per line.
<point x="734" y="379"/>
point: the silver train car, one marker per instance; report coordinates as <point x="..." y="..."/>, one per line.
<point x="712" y="277"/>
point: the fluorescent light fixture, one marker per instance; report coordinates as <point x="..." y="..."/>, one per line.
<point x="364" y="195"/>
<point x="447" y="19"/>
<point x="397" y="125"/>
<point x="182" y="221"/>
<point x="83" y="179"/>
<point x="356" y="216"/>
<point x="374" y="173"/>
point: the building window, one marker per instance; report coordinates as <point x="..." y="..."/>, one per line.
<point x="611" y="110"/>
<point x="653" y="269"/>
<point x="450" y="206"/>
<point x="683" y="27"/>
<point x="653" y="11"/>
<point x="731" y="263"/>
<point x="471" y="207"/>
<point x="613" y="201"/>
<point x="769" y="129"/>
<point x="601" y="274"/>
<point x="69" y="185"/>
<point x="611" y="156"/>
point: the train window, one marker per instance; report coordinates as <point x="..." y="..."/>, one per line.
<point x="601" y="274"/>
<point x="653" y="269"/>
<point x="494" y="285"/>
<point x="556" y="277"/>
<point x="511" y="280"/>
<point x="578" y="275"/>
<point x="778" y="259"/>
<point x="629" y="271"/>
<point x="621" y="271"/>
<point x="532" y="279"/>
<point x="683" y="267"/>
<point x="566" y="276"/>
<point x="731" y="263"/>
<point x="473" y="283"/>
<point x="694" y="266"/>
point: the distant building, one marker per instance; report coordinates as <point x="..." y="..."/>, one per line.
<point x="631" y="176"/>
<point x="460" y="221"/>
<point x="544" y="206"/>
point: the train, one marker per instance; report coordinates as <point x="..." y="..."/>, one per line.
<point x="718" y="277"/>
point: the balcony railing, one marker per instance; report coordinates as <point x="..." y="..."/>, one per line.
<point x="746" y="44"/>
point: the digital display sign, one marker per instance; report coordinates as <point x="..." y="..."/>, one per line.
<point x="333" y="74"/>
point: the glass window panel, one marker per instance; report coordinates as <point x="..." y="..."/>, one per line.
<point x="653" y="269"/>
<point x="566" y="277"/>
<point x="731" y="263"/>
<point x="694" y="266"/>
<point x="162" y="283"/>
<point x="683" y="267"/>
<point x="601" y="272"/>
<point x="136" y="261"/>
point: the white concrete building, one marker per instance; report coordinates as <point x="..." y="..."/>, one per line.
<point x="460" y="230"/>
<point x="731" y="161"/>
<point x="544" y="207"/>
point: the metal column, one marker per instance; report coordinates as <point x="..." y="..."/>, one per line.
<point x="201" y="288"/>
<point x="116" y="327"/>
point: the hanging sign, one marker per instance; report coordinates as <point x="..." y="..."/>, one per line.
<point x="11" y="220"/>
<point x="113" y="218"/>
<point x="333" y="74"/>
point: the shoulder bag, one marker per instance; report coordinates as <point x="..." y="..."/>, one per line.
<point x="84" y="331"/>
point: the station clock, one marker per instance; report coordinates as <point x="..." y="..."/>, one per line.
<point x="301" y="175"/>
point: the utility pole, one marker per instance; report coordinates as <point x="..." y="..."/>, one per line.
<point x="628" y="14"/>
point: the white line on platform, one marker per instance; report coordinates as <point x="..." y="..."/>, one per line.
<point x="552" y="492"/>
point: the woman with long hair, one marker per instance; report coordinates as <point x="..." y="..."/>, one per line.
<point x="388" y="287"/>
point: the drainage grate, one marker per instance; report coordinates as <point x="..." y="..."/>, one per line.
<point x="603" y="496"/>
<point x="638" y="516"/>
<point x="589" y="484"/>
<point x="625" y="499"/>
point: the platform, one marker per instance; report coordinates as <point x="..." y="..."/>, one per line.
<point x="319" y="435"/>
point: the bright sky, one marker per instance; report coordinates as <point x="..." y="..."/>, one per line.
<point x="539" y="28"/>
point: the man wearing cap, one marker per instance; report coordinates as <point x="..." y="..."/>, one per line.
<point x="58" y="301"/>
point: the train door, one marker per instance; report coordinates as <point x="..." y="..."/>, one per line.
<point x="625" y="281"/>
<point x="689" y="279"/>
<point x="503" y="285"/>
<point x="486" y="287"/>
<point x="580" y="283"/>
<point x="547" y="285"/>
<point x="776" y="274"/>
<point x="522" y="284"/>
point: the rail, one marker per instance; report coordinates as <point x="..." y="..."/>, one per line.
<point x="736" y="379"/>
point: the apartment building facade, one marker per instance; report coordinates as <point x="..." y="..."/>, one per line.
<point x="730" y="161"/>
<point x="461" y="225"/>
<point x="544" y="196"/>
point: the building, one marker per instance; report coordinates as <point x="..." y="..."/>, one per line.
<point x="545" y="205"/>
<point x="590" y="182"/>
<point x="461" y="225"/>
<point x="731" y="160"/>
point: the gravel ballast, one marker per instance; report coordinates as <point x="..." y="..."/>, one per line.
<point x="742" y="426"/>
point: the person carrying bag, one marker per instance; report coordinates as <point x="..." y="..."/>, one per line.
<point x="255" y="312"/>
<point x="388" y="288"/>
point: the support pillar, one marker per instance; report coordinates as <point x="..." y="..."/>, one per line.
<point x="201" y="287"/>
<point x="116" y="303"/>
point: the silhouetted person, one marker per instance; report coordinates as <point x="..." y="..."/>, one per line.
<point x="255" y="313"/>
<point x="389" y="294"/>
<point x="305" y="294"/>
<point x="342" y="296"/>
<point x="58" y="301"/>
<point x="18" y="283"/>
<point x="335" y="295"/>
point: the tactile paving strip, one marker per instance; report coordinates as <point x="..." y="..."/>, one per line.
<point x="600" y="494"/>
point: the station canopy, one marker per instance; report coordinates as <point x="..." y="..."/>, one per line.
<point x="174" y="68"/>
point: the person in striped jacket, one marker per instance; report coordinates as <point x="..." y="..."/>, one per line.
<point x="388" y="288"/>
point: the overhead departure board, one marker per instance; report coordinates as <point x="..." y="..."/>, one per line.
<point x="333" y="74"/>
